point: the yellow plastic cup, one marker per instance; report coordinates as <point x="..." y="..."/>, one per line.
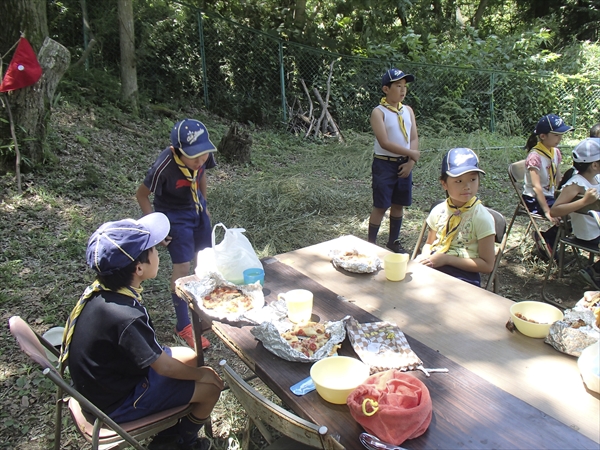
<point x="299" y="304"/>
<point x="394" y="266"/>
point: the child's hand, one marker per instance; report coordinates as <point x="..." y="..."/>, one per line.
<point x="404" y="169"/>
<point x="167" y="241"/>
<point x="590" y="196"/>
<point x="554" y="220"/>
<point x="433" y="261"/>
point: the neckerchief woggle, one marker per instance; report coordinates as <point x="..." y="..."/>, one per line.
<point x="548" y="153"/>
<point x="398" y="112"/>
<point x="192" y="177"/>
<point x="451" y="228"/>
<point x="90" y="291"/>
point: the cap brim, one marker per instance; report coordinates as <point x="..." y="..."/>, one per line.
<point x="197" y="150"/>
<point x="158" y="225"/>
<point x="562" y="129"/>
<point x="458" y="172"/>
<point x="408" y="77"/>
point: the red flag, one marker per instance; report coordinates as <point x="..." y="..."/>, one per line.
<point x="23" y="70"/>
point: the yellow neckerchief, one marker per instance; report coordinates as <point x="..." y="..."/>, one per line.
<point x="548" y="153"/>
<point x="192" y="177"/>
<point x="398" y="112"/>
<point x="95" y="287"/>
<point x="451" y="228"/>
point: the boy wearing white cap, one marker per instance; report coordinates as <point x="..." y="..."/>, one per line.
<point x="582" y="189"/>
<point x="178" y="181"/>
<point x="461" y="230"/>
<point x="111" y="348"/>
<point x="396" y="151"/>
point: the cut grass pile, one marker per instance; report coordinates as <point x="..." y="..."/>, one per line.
<point x="294" y="194"/>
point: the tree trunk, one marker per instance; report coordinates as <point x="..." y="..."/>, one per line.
<point x="235" y="146"/>
<point x="129" y="86"/>
<point x="31" y="105"/>
<point x="479" y="13"/>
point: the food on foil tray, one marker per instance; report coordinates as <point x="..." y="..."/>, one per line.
<point x="356" y="261"/>
<point x="307" y="338"/>
<point x="227" y="299"/>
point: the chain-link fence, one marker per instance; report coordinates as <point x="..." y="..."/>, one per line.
<point x="250" y="76"/>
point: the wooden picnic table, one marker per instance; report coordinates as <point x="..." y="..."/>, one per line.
<point x="503" y="390"/>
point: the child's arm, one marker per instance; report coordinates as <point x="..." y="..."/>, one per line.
<point x="483" y="264"/>
<point x="202" y="184"/>
<point x="539" y="195"/>
<point x="143" y="198"/>
<point x="407" y="167"/>
<point x="426" y="251"/>
<point x="381" y="135"/>
<point x="167" y="366"/>
<point x="565" y="205"/>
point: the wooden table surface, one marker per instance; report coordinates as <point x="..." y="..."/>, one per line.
<point x="465" y="324"/>
<point x="469" y="412"/>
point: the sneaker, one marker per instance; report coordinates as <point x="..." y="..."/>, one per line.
<point x="396" y="247"/>
<point x="164" y="443"/>
<point x="200" y="444"/>
<point x="187" y="334"/>
<point x="589" y="277"/>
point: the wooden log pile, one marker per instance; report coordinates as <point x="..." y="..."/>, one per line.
<point x="305" y="123"/>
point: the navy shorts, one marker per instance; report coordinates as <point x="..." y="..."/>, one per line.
<point x="473" y="278"/>
<point x="388" y="188"/>
<point x="533" y="205"/>
<point x="190" y="233"/>
<point x="154" y="394"/>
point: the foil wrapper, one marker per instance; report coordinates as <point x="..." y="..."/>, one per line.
<point x="382" y="346"/>
<point x="575" y="332"/>
<point x="269" y="333"/>
<point x="354" y="260"/>
<point x="195" y="288"/>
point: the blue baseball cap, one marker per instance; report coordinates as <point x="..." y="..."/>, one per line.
<point x="394" y="75"/>
<point x="115" y="245"/>
<point x="551" y="123"/>
<point x="191" y="137"/>
<point x="459" y="161"/>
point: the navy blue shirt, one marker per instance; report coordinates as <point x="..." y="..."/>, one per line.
<point x="112" y="349"/>
<point x="170" y="187"/>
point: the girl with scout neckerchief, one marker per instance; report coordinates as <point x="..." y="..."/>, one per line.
<point x="461" y="235"/>
<point x="543" y="171"/>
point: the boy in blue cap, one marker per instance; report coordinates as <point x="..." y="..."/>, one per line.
<point x="178" y="181"/>
<point x="396" y="152"/>
<point x="111" y="348"/>
<point x="461" y="230"/>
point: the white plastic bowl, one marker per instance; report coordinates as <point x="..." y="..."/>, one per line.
<point x="589" y="366"/>
<point x="54" y="336"/>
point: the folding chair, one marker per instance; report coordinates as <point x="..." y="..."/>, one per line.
<point x="565" y="237"/>
<point x="95" y="427"/>
<point x="516" y="175"/>
<point x="500" y="241"/>
<point x="298" y="434"/>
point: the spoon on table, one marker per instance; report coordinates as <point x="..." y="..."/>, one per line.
<point x="374" y="443"/>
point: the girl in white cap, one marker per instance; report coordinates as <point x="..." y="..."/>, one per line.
<point x="580" y="190"/>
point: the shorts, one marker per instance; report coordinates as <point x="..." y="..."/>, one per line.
<point x="190" y="233"/>
<point x="534" y="207"/>
<point x="473" y="278"/>
<point x="154" y="394"/>
<point x="388" y="188"/>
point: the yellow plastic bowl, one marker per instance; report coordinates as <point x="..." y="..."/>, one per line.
<point x="589" y="366"/>
<point x="337" y="376"/>
<point x="543" y="313"/>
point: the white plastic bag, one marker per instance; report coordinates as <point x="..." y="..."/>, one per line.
<point x="234" y="254"/>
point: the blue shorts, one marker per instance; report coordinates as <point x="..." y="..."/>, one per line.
<point x="388" y="187"/>
<point x="154" y="394"/>
<point x="190" y="233"/>
<point x="473" y="278"/>
<point x="533" y="205"/>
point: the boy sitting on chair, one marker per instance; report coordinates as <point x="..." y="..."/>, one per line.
<point x="110" y="345"/>
<point x="461" y="230"/>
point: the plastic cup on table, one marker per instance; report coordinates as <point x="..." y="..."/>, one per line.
<point x="254" y="275"/>
<point x="299" y="304"/>
<point x="394" y="266"/>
